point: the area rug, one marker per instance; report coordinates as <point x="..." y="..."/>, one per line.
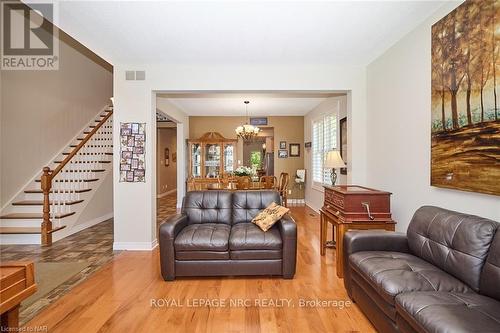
<point x="50" y="275"/>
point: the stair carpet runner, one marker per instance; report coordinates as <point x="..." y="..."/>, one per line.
<point x="74" y="179"/>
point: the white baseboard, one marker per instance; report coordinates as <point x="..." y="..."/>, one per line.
<point x="308" y="204"/>
<point x="135" y="246"/>
<point x="159" y="196"/>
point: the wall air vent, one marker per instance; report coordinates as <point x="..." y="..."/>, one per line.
<point x="129" y="75"/>
<point x="140" y="75"/>
<point x="135" y="75"/>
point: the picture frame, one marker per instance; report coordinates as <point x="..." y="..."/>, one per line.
<point x="294" y="149"/>
<point x="343" y="143"/>
<point x="258" y="121"/>
<point x="282" y="144"/>
<point x="282" y="153"/>
<point x="308" y="144"/>
<point x="167" y="157"/>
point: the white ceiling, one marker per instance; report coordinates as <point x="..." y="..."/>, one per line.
<point x="263" y="106"/>
<point x="241" y="32"/>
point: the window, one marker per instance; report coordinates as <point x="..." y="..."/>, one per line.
<point x="324" y="139"/>
<point x="256" y="160"/>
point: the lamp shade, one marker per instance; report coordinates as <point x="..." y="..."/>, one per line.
<point x="333" y="160"/>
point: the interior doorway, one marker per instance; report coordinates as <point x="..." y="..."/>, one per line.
<point x="259" y="153"/>
<point x="166" y="167"/>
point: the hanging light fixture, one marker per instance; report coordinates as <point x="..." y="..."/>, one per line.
<point x="247" y="131"/>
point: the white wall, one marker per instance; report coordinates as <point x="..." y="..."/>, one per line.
<point x="100" y="206"/>
<point x="134" y="203"/>
<point x="399" y="136"/>
<point x="314" y="196"/>
<point x="42" y="110"/>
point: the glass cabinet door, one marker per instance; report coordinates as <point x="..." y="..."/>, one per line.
<point x="212" y="160"/>
<point x="196" y="160"/>
<point x="228" y="157"/>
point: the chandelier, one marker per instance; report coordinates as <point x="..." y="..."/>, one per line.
<point x="247" y="131"/>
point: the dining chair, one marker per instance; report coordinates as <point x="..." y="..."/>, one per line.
<point x="283" y="187"/>
<point x="268" y="182"/>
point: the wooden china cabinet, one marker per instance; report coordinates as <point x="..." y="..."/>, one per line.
<point x="210" y="157"/>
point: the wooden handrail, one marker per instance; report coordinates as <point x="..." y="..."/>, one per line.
<point x="80" y="145"/>
<point x="48" y="176"/>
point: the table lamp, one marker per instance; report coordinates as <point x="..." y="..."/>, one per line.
<point x="334" y="160"/>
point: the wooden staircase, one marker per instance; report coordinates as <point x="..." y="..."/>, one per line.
<point x="54" y="195"/>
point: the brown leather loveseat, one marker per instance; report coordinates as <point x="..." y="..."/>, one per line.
<point x="442" y="276"/>
<point x="214" y="235"/>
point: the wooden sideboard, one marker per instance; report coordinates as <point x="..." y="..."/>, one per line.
<point x="17" y="282"/>
<point x="349" y="207"/>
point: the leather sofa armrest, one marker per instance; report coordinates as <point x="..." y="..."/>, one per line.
<point x="288" y="231"/>
<point x="168" y="231"/>
<point x="370" y="240"/>
<point x="374" y="240"/>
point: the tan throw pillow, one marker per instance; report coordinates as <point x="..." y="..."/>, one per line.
<point x="270" y="216"/>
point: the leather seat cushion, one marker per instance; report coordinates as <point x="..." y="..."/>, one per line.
<point x="248" y="236"/>
<point x="256" y="255"/>
<point x="449" y="312"/>
<point x="392" y="273"/>
<point x="203" y="237"/>
<point x="201" y="255"/>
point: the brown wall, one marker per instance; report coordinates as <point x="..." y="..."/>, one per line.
<point x="166" y="179"/>
<point x="286" y="128"/>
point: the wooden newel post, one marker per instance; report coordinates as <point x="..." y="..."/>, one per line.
<point x="46" y="184"/>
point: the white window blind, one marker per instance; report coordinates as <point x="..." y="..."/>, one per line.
<point x="324" y="139"/>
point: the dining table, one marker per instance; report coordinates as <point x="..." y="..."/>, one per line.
<point x="231" y="186"/>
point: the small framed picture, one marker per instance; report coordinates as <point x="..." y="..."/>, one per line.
<point x="282" y="153"/>
<point x="282" y="144"/>
<point x="308" y="144"/>
<point x="167" y="157"/>
<point x="294" y="149"/>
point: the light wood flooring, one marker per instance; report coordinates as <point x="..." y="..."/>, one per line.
<point x="118" y="297"/>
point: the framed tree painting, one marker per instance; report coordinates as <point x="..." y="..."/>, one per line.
<point x="465" y="142"/>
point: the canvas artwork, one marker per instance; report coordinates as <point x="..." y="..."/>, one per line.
<point x="132" y="152"/>
<point x="465" y="116"/>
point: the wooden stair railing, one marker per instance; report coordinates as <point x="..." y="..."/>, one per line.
<point x="48" y="176"/>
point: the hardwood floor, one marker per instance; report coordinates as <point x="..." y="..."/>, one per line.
<point x="93" y="246"/>
<point x="119" y="297"/>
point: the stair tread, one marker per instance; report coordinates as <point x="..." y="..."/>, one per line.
<point x="40" y="191"/>
<point x="26" y="230"/>
<point x="85" y="162"/>
<point x="88" y="132"/>
<point x="94" y="170"/>
<point x="106" y="153"/>
<point x="72" y="180"/>
<point x="40" y="202"/>
<point x="31" y="216"/>
<point x="74" y="146"/>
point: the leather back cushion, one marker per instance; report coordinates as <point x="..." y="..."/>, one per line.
<point x="247" y="204"/>
<point x="455" y="242"/>
<point x="490" y="277"/>
<point x="208" y="207"/>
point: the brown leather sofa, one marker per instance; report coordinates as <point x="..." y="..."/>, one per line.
<point x="442" y="276"/>
<point x="214" y="235"/>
